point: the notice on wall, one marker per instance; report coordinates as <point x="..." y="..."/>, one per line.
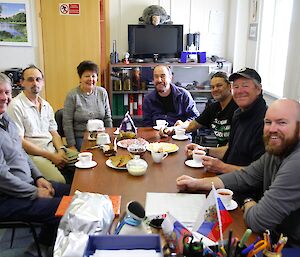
<point x="69" y="9"/>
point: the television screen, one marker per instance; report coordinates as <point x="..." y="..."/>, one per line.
<point x="146" y="40"/>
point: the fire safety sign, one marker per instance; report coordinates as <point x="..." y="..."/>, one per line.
<point x="69" y="9"/>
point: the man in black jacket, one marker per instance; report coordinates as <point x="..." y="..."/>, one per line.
<point x="245" y="141"/>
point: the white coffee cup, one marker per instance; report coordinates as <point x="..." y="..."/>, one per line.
<point x="198" y="155"/>
<point x="103" y="139"/>
<point x="161" y="123"/>
<point x="158" y="157"/>
<point x="95" y="125"/>
<point x="225" y="195"/>
<point x="85" y="157"/>
<point x="179" y="132"/>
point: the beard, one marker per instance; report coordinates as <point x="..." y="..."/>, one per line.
<point x="287" y="145"/>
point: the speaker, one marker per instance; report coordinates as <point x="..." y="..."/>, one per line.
<point x="196" y="39"/>
<point x="189" y="39"/>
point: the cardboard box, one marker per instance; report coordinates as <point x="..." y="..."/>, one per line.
<point x="122" y="242"/>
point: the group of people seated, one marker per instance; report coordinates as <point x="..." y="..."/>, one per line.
<point x="258" y="148"/>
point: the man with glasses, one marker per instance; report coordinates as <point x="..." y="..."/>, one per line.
<point x="35" y="121"/>
<point x="245" y="140"/>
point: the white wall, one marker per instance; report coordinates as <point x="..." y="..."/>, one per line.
<point x="22" y="56"/>
<point x="210" y="18"/>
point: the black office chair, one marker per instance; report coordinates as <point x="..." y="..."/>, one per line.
<point x="59" y="120"/>
<point x="22" y="224"/>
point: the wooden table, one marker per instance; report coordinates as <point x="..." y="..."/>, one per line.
<point x="159" y="177"/>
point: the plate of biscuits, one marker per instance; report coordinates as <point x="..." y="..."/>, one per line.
<point x="118" y="162"/>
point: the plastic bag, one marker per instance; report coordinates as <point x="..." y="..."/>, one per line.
<point x="88" y="214"/>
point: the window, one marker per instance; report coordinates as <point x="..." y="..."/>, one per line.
<point x="273" y="44"/>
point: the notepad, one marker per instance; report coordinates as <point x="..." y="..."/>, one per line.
<point x="184" y="207"/>
<point x="67" y="199"/>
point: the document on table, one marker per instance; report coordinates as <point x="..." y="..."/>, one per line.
<point x="184" y="207"/>
<point x="126" y="253"/>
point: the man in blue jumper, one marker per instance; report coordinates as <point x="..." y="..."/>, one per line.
<point x="167" y="102"/>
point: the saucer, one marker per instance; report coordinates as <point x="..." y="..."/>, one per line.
<point x="184" y="137"/>
<point x="233" y="205"/>
<point x="193" y="164"/>
<point x="158" y="127"/>
<point x="85" y="166"/>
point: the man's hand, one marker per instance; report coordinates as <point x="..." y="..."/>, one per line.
<point x="187" y="183"/>
<point x="59" y="159"/>
<point x="191" y="147"/>
<point x="43" y="193"/>
<point x="213" y="164"/>
<point x="165" y="132"/>
<point x="45" y="184"/>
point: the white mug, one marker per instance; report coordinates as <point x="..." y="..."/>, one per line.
<point x="158" y="157"/>
<point x="161" y="123"/>
<point x="225" y="195"/>
<point x="198" y="155"/>
<point x="103" y="139"/>
<point x="95" y="125"/>
<point x="85" y="157"/>
<point x="179" y="132"/>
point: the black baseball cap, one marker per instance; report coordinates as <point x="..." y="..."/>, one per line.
<point x="246" y="73"/>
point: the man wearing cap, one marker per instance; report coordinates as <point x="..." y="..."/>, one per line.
<point x="245" y="141"/>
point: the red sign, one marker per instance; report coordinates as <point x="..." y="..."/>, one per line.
<point x="74" y="9"/>
<point x="69" y="9"/>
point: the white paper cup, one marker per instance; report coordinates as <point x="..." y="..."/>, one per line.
<point x="85" y="157"/>
<point x="225" y="195"/>
<point x="198" y="155"/>
<point x="103" y="139"/>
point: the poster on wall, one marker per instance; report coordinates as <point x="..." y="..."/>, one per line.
<point x="15" y="27"/>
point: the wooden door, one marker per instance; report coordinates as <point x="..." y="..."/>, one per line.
<point x="67" y="40"/>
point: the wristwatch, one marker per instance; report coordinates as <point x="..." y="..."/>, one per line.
<point x="247" y="200"/>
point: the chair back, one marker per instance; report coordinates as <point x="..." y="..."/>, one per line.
<point x="59" y="121"/>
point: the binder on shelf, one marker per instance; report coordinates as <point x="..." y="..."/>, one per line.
<point x="125" y="109"/>
<point x="131" y="103"/>
<point x="115" y="105"/>
<point x="140" y="103"/>
<point x="121" y="105"/>
<point x="135" y="104"/>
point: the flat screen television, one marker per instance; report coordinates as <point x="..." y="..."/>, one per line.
<point x="146" y="40"/>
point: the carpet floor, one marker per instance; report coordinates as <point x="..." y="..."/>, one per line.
<point x="23" y="238"/>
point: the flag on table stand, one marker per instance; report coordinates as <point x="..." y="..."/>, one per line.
<point x="173" y="229"/>
<point x="127" y="124"/>
<point x="214" y="220"/>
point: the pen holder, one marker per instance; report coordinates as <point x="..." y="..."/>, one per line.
<point x="238" y="251"/>
<point x="267" y="253"/>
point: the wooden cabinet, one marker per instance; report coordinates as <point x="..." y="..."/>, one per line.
<point x="129" y="83"/>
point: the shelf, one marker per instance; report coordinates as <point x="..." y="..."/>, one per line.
<point x="132" y="92"/>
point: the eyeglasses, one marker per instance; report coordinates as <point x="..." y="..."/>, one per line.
<point x="32" y="79"/>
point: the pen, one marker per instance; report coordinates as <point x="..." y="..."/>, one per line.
<point x="229" y="242"/>
<point x="245" y="238"/>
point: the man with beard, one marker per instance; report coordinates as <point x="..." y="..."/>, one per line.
<point x="167" y="102"/>
<point x="276" y="173"/>
<point x="35" y="121"/>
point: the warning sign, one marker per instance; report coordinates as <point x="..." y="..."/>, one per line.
<point x="69" y="9"/>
